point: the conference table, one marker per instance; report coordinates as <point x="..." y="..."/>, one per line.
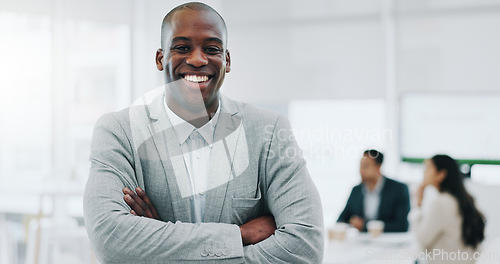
<point x="362" y="248"/>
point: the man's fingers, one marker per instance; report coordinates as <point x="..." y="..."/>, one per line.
<point x="134" y="205"/>
<point x="148" y="202"/>
<point x="140" y="203"/>
<point x="144" y="203"/>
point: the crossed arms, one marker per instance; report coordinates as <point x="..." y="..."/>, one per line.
<point x="119" y="236"/>
<point x="252" y="232"/>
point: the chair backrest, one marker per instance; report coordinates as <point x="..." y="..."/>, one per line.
<point x="486" y="197"/>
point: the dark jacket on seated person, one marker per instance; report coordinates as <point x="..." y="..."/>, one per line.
<point x="393" y="208"/>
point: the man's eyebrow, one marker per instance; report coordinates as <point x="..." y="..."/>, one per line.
<point x="180" y="39"/>
<point x="215" y="39"/>
<point x="207" y="39"/>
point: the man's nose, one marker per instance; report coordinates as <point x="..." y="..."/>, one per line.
<point x="197" y="58"/>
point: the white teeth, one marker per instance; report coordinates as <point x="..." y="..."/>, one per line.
<point x="196" y="78"/>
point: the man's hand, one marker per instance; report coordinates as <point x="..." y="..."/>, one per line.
<point x="140" y="203"/>
<point x="258" y="229"/>
<point x="357" y="222"/>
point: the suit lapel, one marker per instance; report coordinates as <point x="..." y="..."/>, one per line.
<point x="172" y="160"/>
<point x="383" y="199"/>
<point x="361" y="202"/>
<point x="229" y="134"/>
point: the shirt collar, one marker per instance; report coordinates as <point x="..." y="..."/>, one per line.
<point x="183" y="129"/>
<point x="378" y="186"/>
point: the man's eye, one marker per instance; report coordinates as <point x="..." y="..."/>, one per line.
<point x="182" y="49"/>
<point x="213" y="50"/>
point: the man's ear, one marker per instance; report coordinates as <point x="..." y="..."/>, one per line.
<point x="159" y="59"/>
<point x="228" y="61"/>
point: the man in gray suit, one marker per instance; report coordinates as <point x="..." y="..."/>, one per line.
<point x="187" y="175"/>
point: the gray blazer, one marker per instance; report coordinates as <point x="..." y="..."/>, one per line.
<point x="256" y="168"/>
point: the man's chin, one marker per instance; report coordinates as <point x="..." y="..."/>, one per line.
<point x="192" y="99"/>
<point x="196" y="104"/>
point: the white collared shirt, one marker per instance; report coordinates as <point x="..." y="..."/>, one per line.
<point x="196" y="145"/>
<point x="372" y="199"/>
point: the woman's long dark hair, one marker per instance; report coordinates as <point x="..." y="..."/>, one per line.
<point x="473" y="220"/>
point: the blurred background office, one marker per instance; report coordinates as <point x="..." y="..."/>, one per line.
<point x="411" y="78"/>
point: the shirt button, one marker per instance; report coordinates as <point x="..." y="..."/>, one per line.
<point x="201" y="193"/>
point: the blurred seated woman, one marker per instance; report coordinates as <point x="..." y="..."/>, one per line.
<point x="447" y="224"/>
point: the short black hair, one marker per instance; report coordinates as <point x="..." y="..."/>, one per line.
<point x="375" y="155"/>
<point x="192" y="6"/>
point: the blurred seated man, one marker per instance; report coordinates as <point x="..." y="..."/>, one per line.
<point x="377" y="198"/>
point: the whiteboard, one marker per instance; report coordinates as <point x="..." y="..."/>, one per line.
<point x="464" y="126"/>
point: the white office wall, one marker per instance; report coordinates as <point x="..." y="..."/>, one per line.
<point x="112" y="11"/>
<point x="294" y="50"/>
<point x="449" y="50"/>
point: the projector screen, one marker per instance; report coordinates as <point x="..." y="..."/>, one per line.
<point x="465" y="126"/>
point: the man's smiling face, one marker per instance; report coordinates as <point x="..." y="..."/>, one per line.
<point x="195" y="58"/>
